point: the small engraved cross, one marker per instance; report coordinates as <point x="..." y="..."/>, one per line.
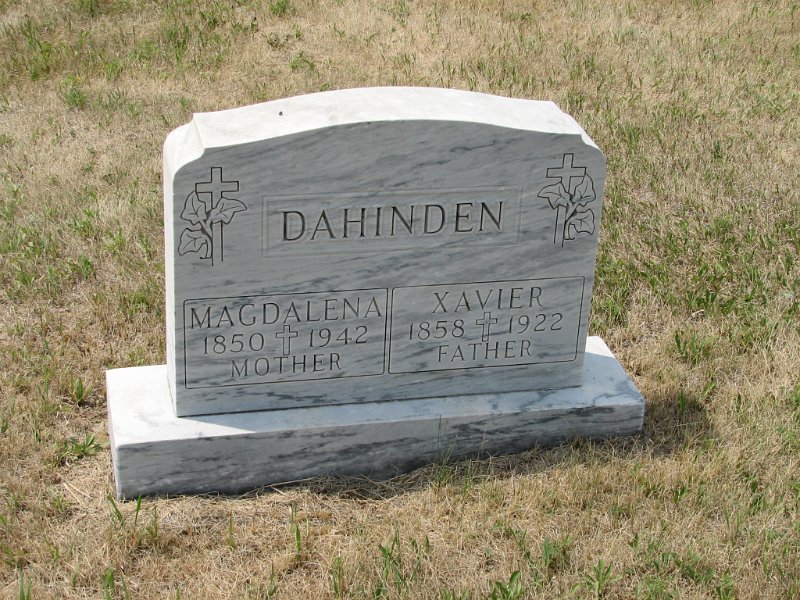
<point x="217" y="186"/>
<point x="486" y="323"/>
<point x="566" y="172"/>
<point x="287" y="336"/>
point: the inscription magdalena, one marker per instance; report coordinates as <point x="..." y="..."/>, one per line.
<point x="247" y="340"/>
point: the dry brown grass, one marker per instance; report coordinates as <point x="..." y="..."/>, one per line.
<point x="696" y="107"/>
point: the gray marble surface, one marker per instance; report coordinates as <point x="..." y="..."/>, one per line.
<point x="377" y="244"/>
<point x="156" y="452"/>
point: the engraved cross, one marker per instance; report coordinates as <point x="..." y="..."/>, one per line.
<point x="486" y="323"/>
<point x="216" y="187"/>
<point x="566" y="172"/>
<point x="287" y="336"/>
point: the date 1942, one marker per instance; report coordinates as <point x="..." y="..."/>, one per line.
<point x="256" y="342"/>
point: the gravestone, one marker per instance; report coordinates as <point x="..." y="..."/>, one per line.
<point x="364" y="281"/>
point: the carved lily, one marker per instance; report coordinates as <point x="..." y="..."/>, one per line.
<point x="570" y="219"/>
<point x="203" y="236"/>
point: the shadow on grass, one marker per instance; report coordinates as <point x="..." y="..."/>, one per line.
<point x="673" y="424"/>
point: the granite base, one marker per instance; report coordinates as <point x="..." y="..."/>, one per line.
<point x="155" y="452"/>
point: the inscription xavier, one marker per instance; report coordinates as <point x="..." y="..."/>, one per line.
<point x="464" y="326"/>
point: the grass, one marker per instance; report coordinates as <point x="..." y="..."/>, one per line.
<point x="695" y="105"/>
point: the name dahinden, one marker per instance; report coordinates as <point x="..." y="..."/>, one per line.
<point x="414" y="220"/>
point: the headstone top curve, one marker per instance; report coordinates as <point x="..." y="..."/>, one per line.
<point x="287" y="116"/>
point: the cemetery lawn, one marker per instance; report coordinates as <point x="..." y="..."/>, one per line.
<point x="695" y="105"/>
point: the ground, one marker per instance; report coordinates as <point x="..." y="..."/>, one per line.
<point x="695" y="104"/>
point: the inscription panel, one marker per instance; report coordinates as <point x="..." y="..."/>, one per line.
<point x="382" y="220"/>
<point x="496" y="324"/>
<point x="246" y="340"/>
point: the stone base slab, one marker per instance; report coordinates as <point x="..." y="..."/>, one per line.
<point x="155" y="452"/>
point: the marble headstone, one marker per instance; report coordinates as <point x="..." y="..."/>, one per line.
<point x="356" y="277"/>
